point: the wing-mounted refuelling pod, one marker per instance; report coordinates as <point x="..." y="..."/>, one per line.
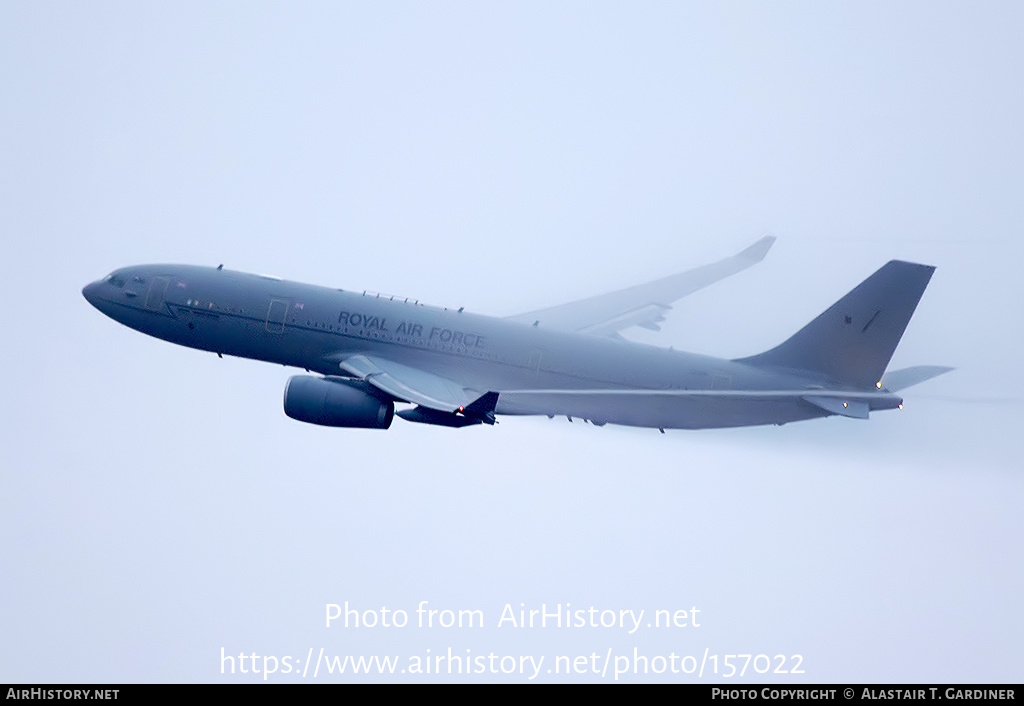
<point x="481" y="411"/>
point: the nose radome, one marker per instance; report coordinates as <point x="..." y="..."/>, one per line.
<point x="89" y="291"/>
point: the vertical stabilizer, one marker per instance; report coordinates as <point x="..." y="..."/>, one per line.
<point x="854" y="339"/>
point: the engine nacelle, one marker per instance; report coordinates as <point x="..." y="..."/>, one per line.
<point x="335" y="404"/>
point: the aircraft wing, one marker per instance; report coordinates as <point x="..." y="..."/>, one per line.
<point x="411" y="384"/>
<point x="641" y="305"/>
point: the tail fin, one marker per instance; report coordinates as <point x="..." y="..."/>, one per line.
<point x="854" y="339"/>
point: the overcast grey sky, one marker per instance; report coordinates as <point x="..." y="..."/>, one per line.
<point x="158" y="506"/>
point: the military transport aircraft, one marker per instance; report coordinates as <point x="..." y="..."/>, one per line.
<point x="457" y="369"/>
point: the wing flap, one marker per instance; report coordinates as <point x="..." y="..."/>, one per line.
<point x="411" y="384"/>
<point x="647" y="317"/>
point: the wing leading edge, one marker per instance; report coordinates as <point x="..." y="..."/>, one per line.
<point x="642" y="305"/>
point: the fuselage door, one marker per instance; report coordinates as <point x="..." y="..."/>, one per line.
<point x="157" y="289"/>
<point x="275" y="315"/>
<point x="533" y="365"/>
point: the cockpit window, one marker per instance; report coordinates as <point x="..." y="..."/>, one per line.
<point x="116" y="280"/>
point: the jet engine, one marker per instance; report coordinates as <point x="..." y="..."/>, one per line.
<point x="336" y="402"/>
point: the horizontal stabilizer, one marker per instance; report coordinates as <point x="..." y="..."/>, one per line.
<point x="908" y="377"/>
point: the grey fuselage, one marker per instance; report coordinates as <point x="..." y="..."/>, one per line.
<point x="315" y="328"/>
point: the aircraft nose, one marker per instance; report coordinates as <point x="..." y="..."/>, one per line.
<point x="91" y="292"/>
